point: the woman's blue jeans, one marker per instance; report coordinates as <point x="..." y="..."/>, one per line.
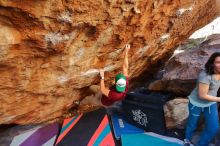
<point x="211" y="123"/>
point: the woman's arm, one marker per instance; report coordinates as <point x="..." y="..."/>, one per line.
<point x="203" y="93"/>
<point x="125" y="64"/>
<point x="104" y="90"/>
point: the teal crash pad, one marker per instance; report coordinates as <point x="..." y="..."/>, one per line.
<point x="150" y="139"/>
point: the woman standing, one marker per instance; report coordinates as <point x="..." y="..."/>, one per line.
<point x="203" y="100"/>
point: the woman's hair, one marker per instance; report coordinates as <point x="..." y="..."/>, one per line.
<point x="209" y="66"/>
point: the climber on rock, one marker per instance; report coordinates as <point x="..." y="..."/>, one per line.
<point x="118" y="91"/>
<point x="108" y="96"/>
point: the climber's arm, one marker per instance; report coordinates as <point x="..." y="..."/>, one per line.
<point x="125" y="64"/>
<point x="104" y="90"/>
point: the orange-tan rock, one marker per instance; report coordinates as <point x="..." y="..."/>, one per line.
<point x="51" y="50"/>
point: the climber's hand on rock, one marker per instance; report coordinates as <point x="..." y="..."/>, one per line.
<point x="101" y="72"/>
<point x="127" y="47"/>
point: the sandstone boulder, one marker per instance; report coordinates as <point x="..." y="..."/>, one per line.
<point x="51" y="50"/>
<point x="181" y="71"/>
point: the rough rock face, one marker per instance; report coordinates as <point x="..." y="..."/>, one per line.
<point x="51" y="49"/>
<point x="176" y="113"/>
<point x="181" y="71"/>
